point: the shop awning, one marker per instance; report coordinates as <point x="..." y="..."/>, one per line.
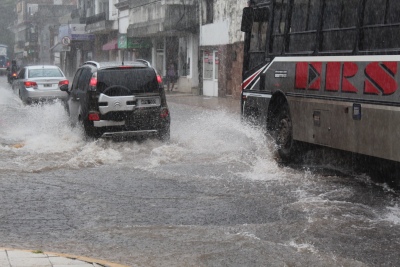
<point x="59" y="47"/>
<point x="111" y="45"/>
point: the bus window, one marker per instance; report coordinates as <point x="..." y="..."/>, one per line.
<point x="393" y="12"/>
<point x="3" y="62"/>
<point x="259" y="30"/>
<point x="339" y="25"/>
<point x="279" y="26"/>
<point x="373" y="12"/>
<point x="258" y="38"/>
<point x="303" y="25"/>
<point x="380" y="30"/>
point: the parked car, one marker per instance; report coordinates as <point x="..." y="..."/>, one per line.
<point x="119" y="99"/>
<point x="40" y="83"/>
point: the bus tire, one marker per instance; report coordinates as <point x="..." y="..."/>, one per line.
<point x="283" y="134"/>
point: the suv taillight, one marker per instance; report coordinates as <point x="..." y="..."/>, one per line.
<point x="164" y="113"/>
<point x="159" y="79"/>
<point x="94" y="116"/>
<point x="93" y="82"/>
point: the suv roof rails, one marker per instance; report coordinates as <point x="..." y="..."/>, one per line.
<point x="113" y="64"/>
<point x="144" y="61"/>
<point x="94" y="63"/>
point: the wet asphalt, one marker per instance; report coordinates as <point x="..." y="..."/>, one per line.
<point x="214" y="196"/>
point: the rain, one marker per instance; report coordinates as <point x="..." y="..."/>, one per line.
<point x="218" y="193"/>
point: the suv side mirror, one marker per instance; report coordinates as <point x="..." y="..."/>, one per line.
<point x="64" y="88"/>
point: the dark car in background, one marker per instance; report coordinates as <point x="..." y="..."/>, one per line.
<point x="119" y="99"/>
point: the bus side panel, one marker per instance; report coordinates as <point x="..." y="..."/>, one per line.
<point x="344" y="103"/>
<point x="376" y="133"/>
<point x="255" y="106"/>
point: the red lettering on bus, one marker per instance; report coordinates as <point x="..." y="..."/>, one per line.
<point x="301" y="75"/>
<point x="315" y="69"/>
<point x="350" y="69"/>
<point x="381" y="78"/>
<point x="332" y="76"/>
<point x="308" y="75"/>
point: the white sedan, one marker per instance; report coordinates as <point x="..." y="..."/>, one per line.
<point x="40" y="83"/>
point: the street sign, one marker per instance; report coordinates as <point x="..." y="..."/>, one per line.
<point x="65" y="40"/>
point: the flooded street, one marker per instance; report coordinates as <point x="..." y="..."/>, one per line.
<point x="213" y="196"/>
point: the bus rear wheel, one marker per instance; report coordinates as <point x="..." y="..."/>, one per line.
<point x="282" y="133"/>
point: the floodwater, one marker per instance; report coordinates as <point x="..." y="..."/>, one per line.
<point x="214" y="196"/>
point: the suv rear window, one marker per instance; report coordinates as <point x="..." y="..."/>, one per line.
<point x="137" y="80"/>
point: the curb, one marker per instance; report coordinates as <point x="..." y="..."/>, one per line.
<point x="71" y="256"/>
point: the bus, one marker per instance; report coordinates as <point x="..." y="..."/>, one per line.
<point x="4" y="62"/>
<point x="324" y="72"/>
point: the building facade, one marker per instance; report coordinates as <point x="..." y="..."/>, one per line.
<point x="34" y="28"/>
<point x="221" y="47"/>
<point x="200" y="38"/>
<point x="167" y="33"/>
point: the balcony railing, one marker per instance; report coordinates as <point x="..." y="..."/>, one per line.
<point x="96" y="18"/>
<point x="181" y="18"/>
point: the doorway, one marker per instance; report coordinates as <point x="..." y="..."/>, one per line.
<point x="210" y="73"/>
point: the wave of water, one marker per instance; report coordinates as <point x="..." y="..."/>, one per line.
<point x="39" y="138"/>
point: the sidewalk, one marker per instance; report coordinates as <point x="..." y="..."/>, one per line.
<point x="208" y="102"/>
<point x="30" y="258"/>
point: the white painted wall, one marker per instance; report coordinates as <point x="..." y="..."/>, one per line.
<point x="113" y="11"/>
<point x="216" y="33"/>
<point x="123" y="21"/>
<point x="226" y="26"/>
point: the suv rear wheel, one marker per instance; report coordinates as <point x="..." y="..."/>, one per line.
<point x="164" y="134"/>
<point x="89" y="129"/>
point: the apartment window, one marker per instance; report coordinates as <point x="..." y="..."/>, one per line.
<point x="208" y="11"/>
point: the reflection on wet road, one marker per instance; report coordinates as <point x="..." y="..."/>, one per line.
<point x="213" y="196"/>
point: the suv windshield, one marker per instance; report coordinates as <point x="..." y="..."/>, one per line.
<point x="137" y="80"/>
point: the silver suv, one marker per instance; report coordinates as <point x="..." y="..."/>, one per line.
<point x="119" y="99"/>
